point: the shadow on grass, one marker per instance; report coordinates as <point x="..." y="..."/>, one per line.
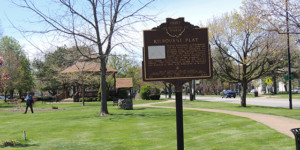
<point x="144" y="115"/>
<point x="252" y="106"/>
<point x="19" y="146"/>
<point x="5" y="107"/>
<point x="139" y="108"/>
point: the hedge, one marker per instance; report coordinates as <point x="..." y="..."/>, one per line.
<point x="89" y="99"/>
<point x="146" y="92"/>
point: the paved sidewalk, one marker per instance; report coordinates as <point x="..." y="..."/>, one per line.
<point x="281" y="124"/>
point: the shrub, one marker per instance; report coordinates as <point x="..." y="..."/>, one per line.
<point x="54" y="107"/>
<point x="45" y="98"/>
<point x="155" y="97"/>
<point x="48" y="98"/>
<point x="146" y="92"/>
<point x="89" y="99"/>
<point x="221" y="93"/>
<point x="283" y="92"/>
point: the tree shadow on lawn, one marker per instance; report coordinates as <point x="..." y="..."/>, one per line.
<point x="139" y="108"/>
<point x="5" y="107"/>
<point x="117" y="117"/>
<point x="256" y="106"/>
<point x="143" y="114"/>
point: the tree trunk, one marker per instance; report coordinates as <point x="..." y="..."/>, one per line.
<point x="103" y="110"/>
<point x="74" y="91"/>
<point x="5" y="96"/>
<point x="285" y="87"/>
<point x="275" y="84"/>
<point x="169" y="86"/>
<point x="244" y="93"/>
<point x="11" y="94"/>
<point x="20" y="93"/>
<point x="191" y="91"/>
<point x="83" y="93"/>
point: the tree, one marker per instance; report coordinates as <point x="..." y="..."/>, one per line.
<point x="44" y="74"/>
<point x="242" y="48"/>
<point x="102" y="25"/>
<point x="169" y="87"/>
<point x="16" y="65"/>
<point x="127" y="68"/>
<point x="274" y="11"/>
<point x="120" y="63"/>
<point x="3" y="77"/>
<point x="47" y="71"/>
<point x="283" y="16"/>
<point x="27" y="80"/>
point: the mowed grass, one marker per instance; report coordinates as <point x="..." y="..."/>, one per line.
<point x="283" y="96"/>
<point x="77" y="127"/>
<point x="248" y="96"/>
<point x="285" y="112"/>
<point x="251" y="95"/>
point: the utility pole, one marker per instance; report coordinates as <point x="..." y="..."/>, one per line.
<point x="289" y="56"/>
<point x="288" y="49"/>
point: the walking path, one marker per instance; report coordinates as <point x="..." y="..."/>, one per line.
<point x="280" y="124"/>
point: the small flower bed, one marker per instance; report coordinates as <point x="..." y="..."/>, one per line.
<point x="12" y="143"/>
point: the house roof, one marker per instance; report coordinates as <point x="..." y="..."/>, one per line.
<point x="89" y="57"/>
<point x="124" y="83"/>
<point x="87" y="67"/>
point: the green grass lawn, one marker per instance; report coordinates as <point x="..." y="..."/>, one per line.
<point x="278" y="96"/>
<point x="290" y="113"/>
<point x="248" y="95"/>
<point x="283" y="96"/>
<point x="77" y="127"/>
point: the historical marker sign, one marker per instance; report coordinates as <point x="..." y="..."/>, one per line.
<point x="176" y="50"/>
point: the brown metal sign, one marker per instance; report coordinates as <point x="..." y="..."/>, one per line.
<point x="176" y="50"/>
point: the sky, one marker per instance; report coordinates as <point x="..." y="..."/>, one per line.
<point x="194" y="11"/>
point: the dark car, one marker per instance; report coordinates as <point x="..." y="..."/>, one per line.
<point x="229" y="94"/>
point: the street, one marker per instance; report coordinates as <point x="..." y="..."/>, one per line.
<point x="259" y="101"/>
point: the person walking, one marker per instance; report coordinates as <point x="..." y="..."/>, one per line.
<point x="29" y="102"/>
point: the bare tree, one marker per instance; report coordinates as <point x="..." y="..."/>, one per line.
<point x="242" y="48"/>
<point x="100" y="24"/>
<point x="275" y="12"/>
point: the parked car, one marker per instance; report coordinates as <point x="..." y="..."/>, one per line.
<point x="253" y="90"/>
<point x="229" y="94"/>
<point x="296" y="89"/>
